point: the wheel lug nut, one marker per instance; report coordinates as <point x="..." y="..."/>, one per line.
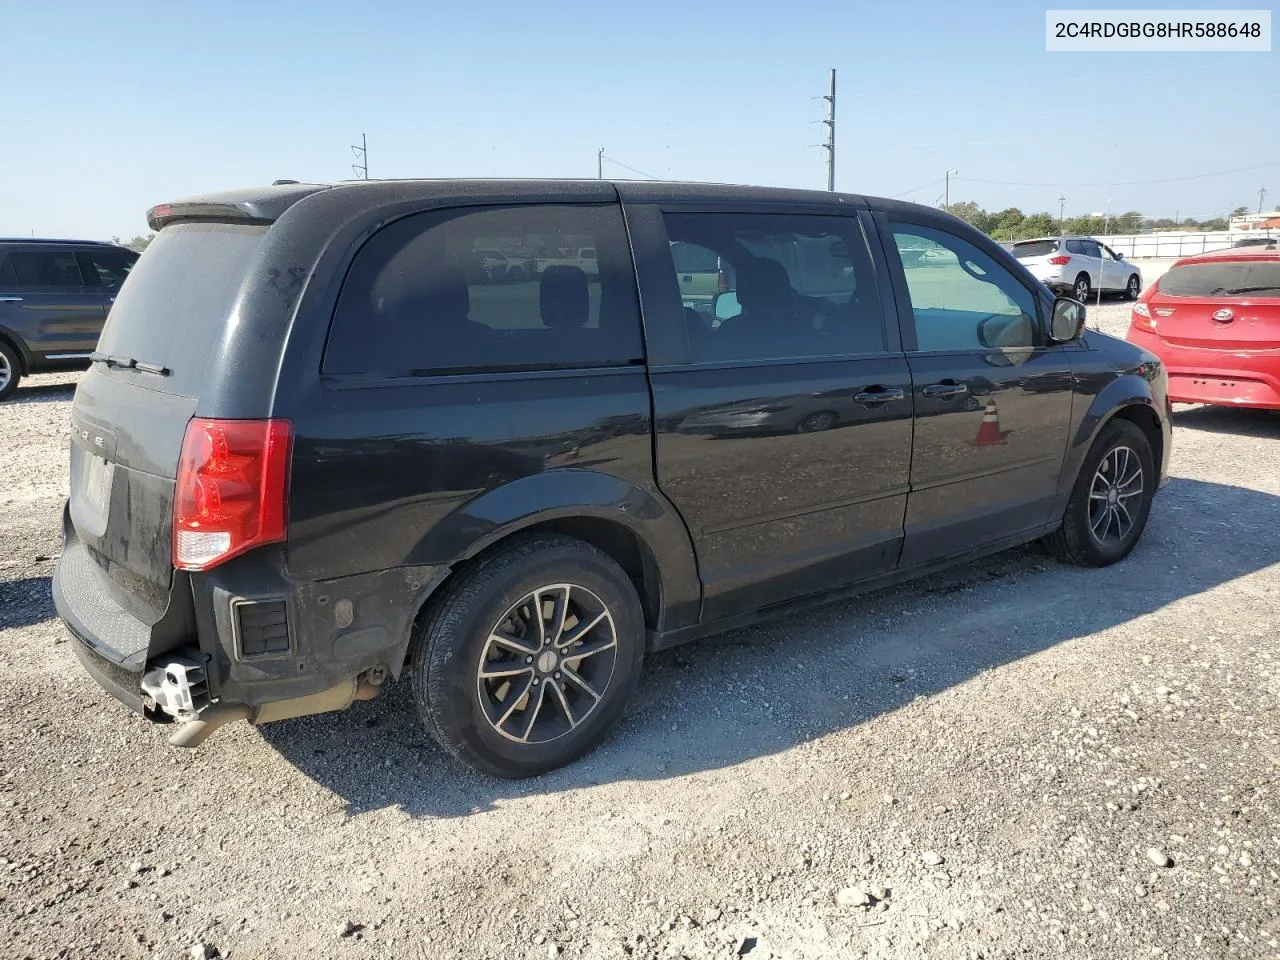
<point x="528" y="659"/>
<point x="557" y="676"/>
<point x="536" y="681"/>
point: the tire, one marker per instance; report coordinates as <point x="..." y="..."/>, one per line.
<point x="1077" y="540"/>
<point x="1080" y="289"/>
<point x="10" y="370"/>
<point x="479" y="719"/>
<point x="1133" y="289"/>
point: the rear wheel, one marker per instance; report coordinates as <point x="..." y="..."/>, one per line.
<point x="529" y="659"/>
<point x="10" y="370"/>
<point x="1109" y="504"/>
<point x="1133" y="288"/>
<point x="1080" y="289"/>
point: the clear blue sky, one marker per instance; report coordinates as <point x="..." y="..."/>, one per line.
<point x="110" y="108"/>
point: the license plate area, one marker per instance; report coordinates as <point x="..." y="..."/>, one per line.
<point x="91" y="501"/>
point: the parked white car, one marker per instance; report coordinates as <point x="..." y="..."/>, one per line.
<point x="1079" y="266"/>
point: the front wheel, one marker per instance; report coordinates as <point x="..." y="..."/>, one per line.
<point x="528" y="660"/>
<point x="1133" y="288"/>
<point x="1111" y="499"/>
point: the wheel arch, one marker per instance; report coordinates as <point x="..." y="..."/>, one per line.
<point x="636" y="527"/>
<point x="1128" y="397"/>
<point x="12" y="340"/>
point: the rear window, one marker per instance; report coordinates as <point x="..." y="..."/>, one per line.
<point x="1036" y="248"/>
<point x="174" y="305"/>
<point x="54" y="269"/>
<point x="1231" y="278"/>
<point x="419" y="298"/>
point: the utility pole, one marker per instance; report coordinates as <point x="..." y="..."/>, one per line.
<point x="361" y="153"/>
<point x="600" y="164"/>
<point x="1262" y="192"/>
<point x="830" y="145"/>
<point x="1062" y="205"/>
<point x="946" y="188"/>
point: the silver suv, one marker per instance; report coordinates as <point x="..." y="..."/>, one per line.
<point x="1079" y="266"/>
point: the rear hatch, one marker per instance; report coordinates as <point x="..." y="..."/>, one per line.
<point x="1035" y="254"/>
<point x="130" y="413"/>
<point x="1226" y="303"/>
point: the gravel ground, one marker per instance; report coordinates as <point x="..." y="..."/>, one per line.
<point x="1016" y="759"/>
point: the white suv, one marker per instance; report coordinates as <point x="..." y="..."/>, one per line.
<point x="1078" y="265"/>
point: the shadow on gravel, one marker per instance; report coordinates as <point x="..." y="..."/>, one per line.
<point x="25" y="602"/>
<point x="763" y="690"/>
<point x="42" y="393"/>
<point x="1264" y="424"/>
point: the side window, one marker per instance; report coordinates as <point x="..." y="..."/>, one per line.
<point x="1090" y="248"/>
<point x="107" y="267"/>
<point x="52" y="269"/>
<point x="428" y="294"/>
<point x="761" y="286"/>
<point x="7" y="277"/>
<point x="960" y="297"/>
<point x="1073" y="246"/>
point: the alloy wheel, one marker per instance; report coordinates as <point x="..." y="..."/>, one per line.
<point x="547" y="663"/>
<point x="1082" y="290"/>
<point x="1135" y="288"/>
<point x="6" y="371"/>
<point x="1116" y="482"/>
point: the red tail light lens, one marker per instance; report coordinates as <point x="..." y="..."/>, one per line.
<point x="722" y="282"/>
<point x="1141" y="318"/>
<point x="1060" y="261"/>
<point x="232" y="489"/>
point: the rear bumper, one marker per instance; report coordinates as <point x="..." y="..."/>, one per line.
<point x="1228" y="378"/>
<point x="339" y="630"/>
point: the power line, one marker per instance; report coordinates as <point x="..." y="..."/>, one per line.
<point x="1123" y="183"/>
<point x="894" y="196"/>
<point x="618" y="163"/>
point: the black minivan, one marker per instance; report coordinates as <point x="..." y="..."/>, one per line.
<point x="321" y="447"/>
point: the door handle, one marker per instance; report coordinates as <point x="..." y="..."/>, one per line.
<point x="10" y="299"/>
<point x="880" y="395"/>
<point x="946" y="390"/>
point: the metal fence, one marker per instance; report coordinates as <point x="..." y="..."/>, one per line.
<point x="1175" y="243"/>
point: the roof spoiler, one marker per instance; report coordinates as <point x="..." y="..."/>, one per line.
<point x="258" y="205"/>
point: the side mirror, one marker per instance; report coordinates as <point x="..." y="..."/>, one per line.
<point x="1119" y="256"/>
<point x="725" y="306"/>
<point x="1068" y="320"/>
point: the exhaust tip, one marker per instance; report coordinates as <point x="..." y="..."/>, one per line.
<point x="195" y="732"/>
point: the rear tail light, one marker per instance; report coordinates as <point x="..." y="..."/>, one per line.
<point x="232" y="489"/>
<point x="1060" y="261"/>
<point x="1141" y="318"/>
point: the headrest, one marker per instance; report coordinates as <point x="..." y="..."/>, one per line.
<point x="563" y="298"/>
<point x="763" y="284"/>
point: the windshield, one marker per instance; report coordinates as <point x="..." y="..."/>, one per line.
<point x="1034" y="248"/>
<point x="1231" y="278"/>
<point x="177" y="300"/>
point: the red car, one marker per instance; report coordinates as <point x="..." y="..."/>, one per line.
<point x="1214" y="321"/>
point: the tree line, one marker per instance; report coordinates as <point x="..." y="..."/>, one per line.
<point x="1012" y="224"/>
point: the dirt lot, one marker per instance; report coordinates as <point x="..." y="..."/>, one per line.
<point x="1016" y="759"/>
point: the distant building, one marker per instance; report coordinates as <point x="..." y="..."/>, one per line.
<point x="1267" y="220"/>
